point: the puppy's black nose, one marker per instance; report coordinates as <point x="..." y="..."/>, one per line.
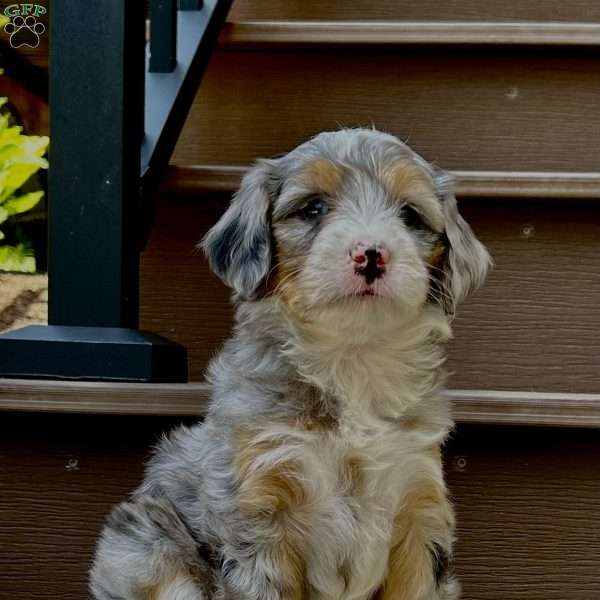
<point x="370" y="263"/>
<point x="373" y="255"/>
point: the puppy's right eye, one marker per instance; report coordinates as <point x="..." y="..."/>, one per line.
<point x="412" y="218"/>
<point x="315" y="208"/>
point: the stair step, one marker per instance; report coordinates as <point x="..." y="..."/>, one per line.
<point x="253" y="34"/>
<point x="493" y="110"/>
<point x="417" y="10"/>
<point x="285" y="32"/>
<point x="161" y="399"/>
<point x="199" y="180"/>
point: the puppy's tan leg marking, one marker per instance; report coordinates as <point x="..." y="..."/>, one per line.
<point x="422" y="528"/>
<point x="275" y="494"/>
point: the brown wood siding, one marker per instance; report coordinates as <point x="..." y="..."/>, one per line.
<point x="471" y="109"/>
<point x="63" y="474"/>
<point x="528" y="513"/>
<point x="453" y="10"/>
<point x="532" y="327"/>
<point x="535" y="324"/>
<point x="526" y="499"/>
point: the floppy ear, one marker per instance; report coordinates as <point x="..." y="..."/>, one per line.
<point x="467" y="261"/>
<point x="238" y="247"/>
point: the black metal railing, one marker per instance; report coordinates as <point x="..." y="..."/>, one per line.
<point x="115" y="116"/>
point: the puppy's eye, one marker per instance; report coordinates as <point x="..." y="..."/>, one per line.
<point x="315" y="208"/>
<point x="412" y="218"/>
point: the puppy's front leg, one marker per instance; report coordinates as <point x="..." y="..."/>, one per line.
<point x="272" y="502"/>
<point x="418" y="566"/>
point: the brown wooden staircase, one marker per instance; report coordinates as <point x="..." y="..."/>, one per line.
<point x="506" y="95"/>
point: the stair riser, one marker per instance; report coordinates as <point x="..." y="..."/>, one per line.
<point x="519" y="498"/>
<point x="469" y="109"/>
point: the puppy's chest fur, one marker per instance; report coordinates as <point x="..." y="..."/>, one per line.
<point x="350" y="482"/>
<point x="370" y="459"/>
<point x="339" y="454"/>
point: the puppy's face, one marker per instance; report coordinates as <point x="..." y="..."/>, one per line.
<point x="352" y="219"/>
<point x="347" y="232"/>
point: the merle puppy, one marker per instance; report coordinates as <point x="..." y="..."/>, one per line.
<point x="317" y="473"/>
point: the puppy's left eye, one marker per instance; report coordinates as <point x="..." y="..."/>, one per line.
<point x="412" y="218"/>
<point x="315" y="208"/>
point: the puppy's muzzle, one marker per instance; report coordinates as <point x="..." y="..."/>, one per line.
<point x="370" y="260"/>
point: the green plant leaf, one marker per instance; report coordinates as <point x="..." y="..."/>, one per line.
<point x="4" y="121"/>
<point x="20" y="157"/>
<point x="16" y="258"/>
<point x="10" y="134"/>
<point x="34" y="144"/>
<point x="13" y="154"/>
<point x="13" y="178"/>
<point x="19" y="204"/>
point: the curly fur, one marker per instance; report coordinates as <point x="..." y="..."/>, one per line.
<point x="317" y="472"/>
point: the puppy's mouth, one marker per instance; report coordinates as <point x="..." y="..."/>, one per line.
<point x="361" y="290"/>
<point x="366" y="293"/>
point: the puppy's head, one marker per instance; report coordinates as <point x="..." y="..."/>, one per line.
<point x="350" y="219"/>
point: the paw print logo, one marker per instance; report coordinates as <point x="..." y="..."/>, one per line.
<point x="24" y="31"/>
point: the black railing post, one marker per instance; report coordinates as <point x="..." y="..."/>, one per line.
<point x="96" y="123"/>
<point x="97" y="63"/>
<point x="112" y="134"/>
<point x="163" y="35"/>
<point x="190" y="4"/>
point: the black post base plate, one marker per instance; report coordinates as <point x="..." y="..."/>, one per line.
<point x="91" y="353"/>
